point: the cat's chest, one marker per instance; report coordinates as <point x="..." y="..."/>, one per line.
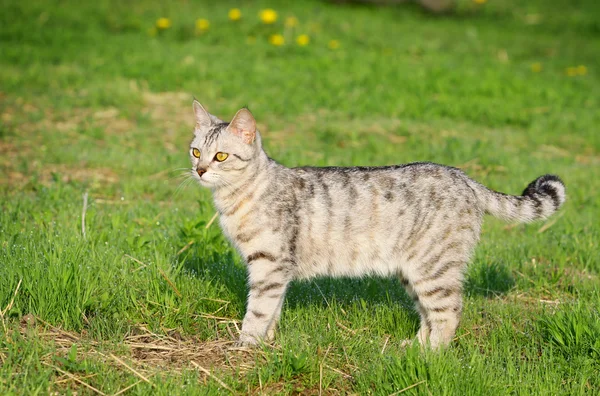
<point x="229" y="226"/>
<point x="241" y="227"/>
<point x="254" y="230"/>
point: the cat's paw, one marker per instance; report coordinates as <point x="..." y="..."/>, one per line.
<point x="247" y="341"/>
<point x="270" y="337"/>
<point x="409" y="343"/>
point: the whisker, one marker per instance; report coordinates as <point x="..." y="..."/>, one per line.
<point x="183" y="172"/>
<point x="183" y="185"/>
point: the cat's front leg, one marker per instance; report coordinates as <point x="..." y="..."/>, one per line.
<point x="268" y="279"/>
<point x="273" y="325"/>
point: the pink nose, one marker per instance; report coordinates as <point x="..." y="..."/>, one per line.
<point x="200" y="171"/>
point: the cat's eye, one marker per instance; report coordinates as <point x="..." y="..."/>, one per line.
<point x="196" y="152"/>
<point x="221" y="156"/>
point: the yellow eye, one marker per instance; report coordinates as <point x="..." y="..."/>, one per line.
<point x="221" y="156"/>
<point x="196" y="152"/>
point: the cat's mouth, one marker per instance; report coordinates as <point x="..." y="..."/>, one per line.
<point x="203" y="177"/>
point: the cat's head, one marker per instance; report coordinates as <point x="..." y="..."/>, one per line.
<point x="222" y="152"/>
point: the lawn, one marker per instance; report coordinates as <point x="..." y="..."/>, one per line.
<point x="143" y="294"/>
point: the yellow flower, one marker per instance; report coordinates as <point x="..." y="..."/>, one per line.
<point x="202" y="25"/>
<point x="536" y="67"/>
<point x="334" y="44"/>
<point x="479" y="1"/>
<point x="581" y="70"/>
<point x="291" y="22"/>
<point x="163" y="23"/>
<point x="303" y="40"/>
<point x="235" y="14"/>
<point x="276" y="40"/>
<point x="571" y="71"/>
<point x="268" y="16"/>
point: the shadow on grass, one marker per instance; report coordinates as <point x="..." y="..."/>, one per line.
<point x="220" y="269"/>
<point x="347" y="291"/>
<point x="224" y="269"/>
<point x="488" y="280"/>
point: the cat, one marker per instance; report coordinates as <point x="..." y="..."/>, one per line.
<point x="418" y="222"/>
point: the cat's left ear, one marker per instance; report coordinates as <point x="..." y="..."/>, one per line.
<point x="244" y="126"/>
<point x="203" y="118"/>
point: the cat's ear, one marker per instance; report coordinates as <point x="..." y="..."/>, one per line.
<point x="244" y="126"/>
<point x="203" y="118"/>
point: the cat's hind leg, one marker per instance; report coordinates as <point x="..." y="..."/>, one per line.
<point x="425" y="326"/>
<point x="439" y="295"/>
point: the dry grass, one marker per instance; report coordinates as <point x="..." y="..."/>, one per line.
<point x="142" y="353"/>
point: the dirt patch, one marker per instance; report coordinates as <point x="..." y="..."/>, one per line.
<point x="171" y="109"/>
<point x="47" y="174"/>
<point x="111" y="122"/>
<point x="171" y="113"/>
<point x="7" y="149"/>
<point x="81" y="174"/>
<point x="22" y="151"/>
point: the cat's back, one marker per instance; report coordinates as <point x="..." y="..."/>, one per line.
<point x="418" y="181"/>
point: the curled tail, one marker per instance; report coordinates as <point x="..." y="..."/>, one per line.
<point x="539" y="200"/>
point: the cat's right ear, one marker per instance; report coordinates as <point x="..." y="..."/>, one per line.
<point x="243" y="125"/>
<point x="203" y="118"/>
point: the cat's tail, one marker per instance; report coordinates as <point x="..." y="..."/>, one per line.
<point x="542" y="197"/>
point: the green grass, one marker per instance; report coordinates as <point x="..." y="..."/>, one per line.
<point x="92" y="102"/>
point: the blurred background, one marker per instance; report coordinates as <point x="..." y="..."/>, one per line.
<point x="95" y="97"/>
<point x="109" y="77"/>
<point x="116" y="73"/>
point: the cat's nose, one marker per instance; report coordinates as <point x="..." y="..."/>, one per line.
<point x="200" y="171"/>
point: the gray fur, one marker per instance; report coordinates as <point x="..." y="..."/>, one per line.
<point x="419" y="222"/>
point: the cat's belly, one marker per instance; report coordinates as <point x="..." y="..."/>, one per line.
<point x="338" y="258"/>
<point x="354" y="243"/>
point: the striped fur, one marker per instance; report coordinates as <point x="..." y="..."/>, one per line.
<point x="419" y="222"/>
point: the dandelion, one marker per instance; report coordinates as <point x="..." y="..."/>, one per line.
<point x="276" y="40"/>
<point x="268" y="16"/>
<point x="581" y="70"/>
<point x="163" y="23"/>
<point x="235" y="14"/>
<point x="536" y="67"/>
<point x="333" y="44"/>
<point x="303" y="40"/>
<point x="571" y="71"/>
<point x="202" y="25"/>
<point x="291" y="22"/>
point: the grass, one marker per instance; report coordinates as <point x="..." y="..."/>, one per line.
<point x="94" y="100"/>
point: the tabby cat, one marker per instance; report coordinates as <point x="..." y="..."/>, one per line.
<point x="418" y="222"/>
